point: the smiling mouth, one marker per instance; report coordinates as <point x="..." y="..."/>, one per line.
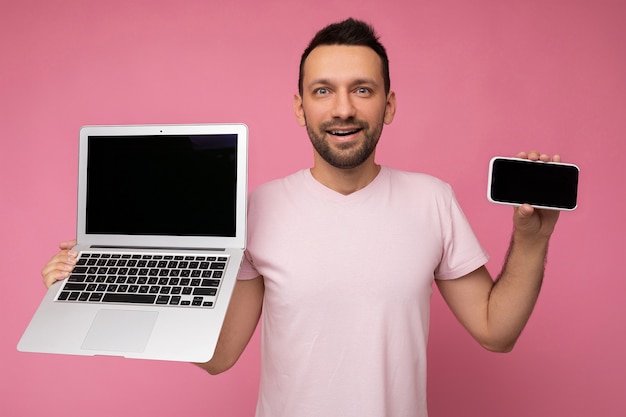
<point x="343" y="132"/>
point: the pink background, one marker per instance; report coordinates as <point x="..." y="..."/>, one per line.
<point x="474" y="79"/>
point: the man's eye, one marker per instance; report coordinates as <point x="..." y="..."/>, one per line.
<point x="362" y="90"/>
<point x="321" y="91"/>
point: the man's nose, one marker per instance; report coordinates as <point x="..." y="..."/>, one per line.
<point x="343" y="106"/>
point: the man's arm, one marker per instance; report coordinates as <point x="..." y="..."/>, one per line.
<point x="495" y="313"/>
<point x="241" y="320"/>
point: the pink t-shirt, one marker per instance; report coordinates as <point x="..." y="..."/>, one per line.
<point x="348" y="281"/>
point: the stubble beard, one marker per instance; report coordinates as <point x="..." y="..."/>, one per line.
<point x="346" y="155"/>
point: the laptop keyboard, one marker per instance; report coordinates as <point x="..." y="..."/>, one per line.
<point x="154" y="279"/>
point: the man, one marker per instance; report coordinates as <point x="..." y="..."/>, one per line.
<point x="341" y="258"/>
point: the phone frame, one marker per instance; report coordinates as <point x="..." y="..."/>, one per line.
<point x="571" y="184"/>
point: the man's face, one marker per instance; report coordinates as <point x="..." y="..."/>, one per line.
<point x="343" y="103"/>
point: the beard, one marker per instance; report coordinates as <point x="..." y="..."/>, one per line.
<point x="346" y="155"/>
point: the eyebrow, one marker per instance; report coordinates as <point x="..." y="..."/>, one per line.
<point x="358" y="81"/>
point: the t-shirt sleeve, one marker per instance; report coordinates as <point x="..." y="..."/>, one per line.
<point x="462" y="252"/>
<point x="247" y="270"/>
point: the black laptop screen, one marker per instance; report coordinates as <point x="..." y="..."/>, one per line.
<point x="162" y="185"/>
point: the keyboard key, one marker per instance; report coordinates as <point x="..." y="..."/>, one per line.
<point x="96" y="296"/>
<point x="77" y="278"/>
<point x="71" y="286"/>
<point x="163" y="299"/>
<point x="129" y="298"/>
<point x="204" y="291"/>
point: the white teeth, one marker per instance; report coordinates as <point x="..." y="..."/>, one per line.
<point x="343" y="132"/>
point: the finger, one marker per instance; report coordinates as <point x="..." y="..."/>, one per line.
<point x="525" y="211"/>
<point x="537" y="156"/>
<point x="68" y="244"/>
<point x="522" y="216"/>
<point x="54" y="276"/>
<point x="59" y="267"/>
<point x="64" y="256"/>
<point x="534" y="155"/>
<point x="66" y="264"/>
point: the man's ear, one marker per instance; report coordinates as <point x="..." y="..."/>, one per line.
<point x="390" y="108"/>
<point x="298" y="110"/>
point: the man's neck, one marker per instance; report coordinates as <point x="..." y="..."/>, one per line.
<point x="345" y="181"/>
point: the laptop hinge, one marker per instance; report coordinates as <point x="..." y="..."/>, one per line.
<point x="154" y="248"/>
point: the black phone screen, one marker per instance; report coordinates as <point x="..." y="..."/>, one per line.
<point x="540" y="184"/>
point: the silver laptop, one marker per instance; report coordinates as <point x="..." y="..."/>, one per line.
<point x="161" y="231"/>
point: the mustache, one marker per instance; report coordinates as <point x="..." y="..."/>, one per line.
<point x="339" y="124"/>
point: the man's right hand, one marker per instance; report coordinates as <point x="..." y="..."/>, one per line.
<point x="60" y="265"/>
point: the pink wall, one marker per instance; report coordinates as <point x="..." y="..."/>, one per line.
<point x="473" y="80"/>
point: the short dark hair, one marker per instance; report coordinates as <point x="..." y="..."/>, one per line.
<point x="350" y="32"/>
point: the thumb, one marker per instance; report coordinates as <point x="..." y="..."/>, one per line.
<point x="67" y="245"/>
<point x="525" y="210"/>
<point x="523" y="217"/>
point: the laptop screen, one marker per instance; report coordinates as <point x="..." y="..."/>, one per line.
<point x="177" y="185"/>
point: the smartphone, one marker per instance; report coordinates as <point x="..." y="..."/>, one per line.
<point x="545" y="185"/>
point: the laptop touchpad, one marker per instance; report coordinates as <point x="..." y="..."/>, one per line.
<point x="120" y="331"/>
